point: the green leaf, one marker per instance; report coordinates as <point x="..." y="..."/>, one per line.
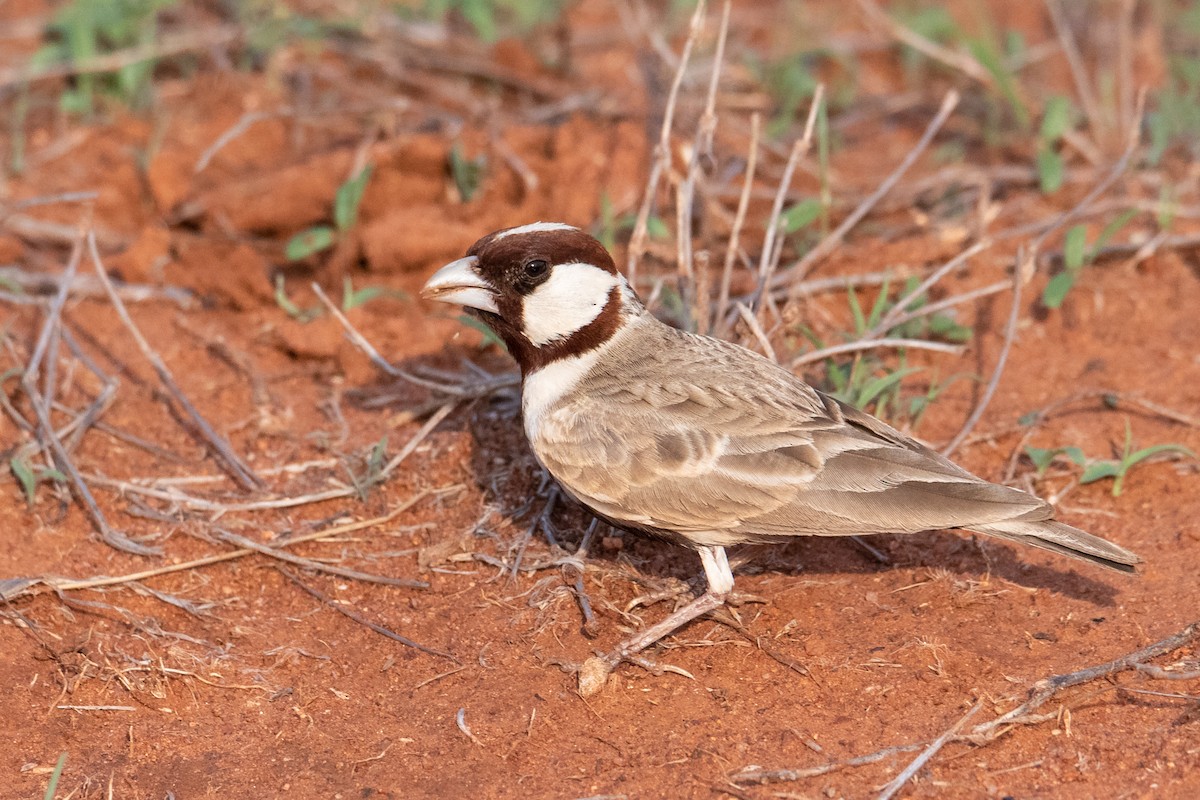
<point x="991" y="60"/>
<point x="1109" y="231"/>
<point x="1073" y="247"/>
<point x="1056" y="119"/>
<point x="313" y="240"/>
<point x="25" y="476"/>
<point x="1049" y="169"/>
<point x="882" y="384"/>
<point x="879" y="306"/>
<point x="1043" y="457"/>
<point x="656" y="228"/>
<point x="291" y="309"/>
<point x="1167" y="207"/>
<point x="467" y="173"/>
<point x="1075" y="454"/>
<point x="55" y="776"/>
<point x="1147" y="452"/>
<point x="945" y="327"/>
<point x="353" y="298"/>
<point x="1098" y="470"/>
<point x="349" y="197"/>
<point x="481" y="14"/>
<point x="801" y="215"/>
<point x="1056" y="290"/>
<point x="489" y="335"/>
<point x="860" y="322"/>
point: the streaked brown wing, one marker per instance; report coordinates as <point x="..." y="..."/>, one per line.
<point x="692" y="435"/>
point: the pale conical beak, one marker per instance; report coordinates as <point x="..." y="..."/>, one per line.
<point x="459" y="283"/>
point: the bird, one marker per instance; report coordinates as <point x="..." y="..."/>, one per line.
<point x="700" y="441"/>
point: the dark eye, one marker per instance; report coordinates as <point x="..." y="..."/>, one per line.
<point x="536" y="268"/>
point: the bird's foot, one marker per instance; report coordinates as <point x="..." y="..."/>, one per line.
<point x="593" y="673"/>
<point x="669" y="590"/>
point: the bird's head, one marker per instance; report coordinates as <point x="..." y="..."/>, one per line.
<point x="548" y="289"/>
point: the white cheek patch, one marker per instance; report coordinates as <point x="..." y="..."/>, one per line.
<point x="571" y="297"/>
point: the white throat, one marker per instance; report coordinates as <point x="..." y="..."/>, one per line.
<point x="545" y="387"/>
<point x="573" y="296"/>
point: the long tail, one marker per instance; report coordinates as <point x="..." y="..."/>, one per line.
<point x="1063" y="539"/>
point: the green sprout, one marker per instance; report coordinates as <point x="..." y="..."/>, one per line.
<point x="345" y="216"/>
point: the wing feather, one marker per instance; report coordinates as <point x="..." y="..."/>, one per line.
<point x="676" y="432"/>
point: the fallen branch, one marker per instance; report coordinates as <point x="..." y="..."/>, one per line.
<point x="897" y="783"/>
<point x="1045" y="689"/>
<point x="985" y="733"/>
<point x="13" y="588"/>
<point x="202" y="431"/>
<point x="308" y="563"/>
<point x="47" y="436"/>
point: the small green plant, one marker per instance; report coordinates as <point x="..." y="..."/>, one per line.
<point x="289" y="306"/>
<point x="1099" y="469"/>
<point x="1168" y="207"/>
<point x="610" y="225"/>
<point x="372" y="472"/>
<point x="1118" y="468"/>
<point x="55" y="777"/>
<point x="490" y="19"/>
<point x="85" y="30"/>
<point x="791" y="82"/>
<point x="929" y="22"/>
<point x="994" y="51"/>
<point x="353" y="298"/>
<point x="1042" y="458"/>
<point x="268" y="26"/>
<point x="345" y="215"/>
<point x="467" y="173"/>
<point x="1077" y="254"/>
<point x="801" y="215"/>
<point x="1056" y="121"/>
<point x="867" y="379"/>
<point x="918" y="405"/>
<point x="860" y="384"/>
<point x="996" y="62"/>
<point x="30" y="478"/>
<point x="1175" y="118"/>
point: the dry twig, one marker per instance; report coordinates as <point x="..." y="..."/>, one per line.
<point x="662" y="152"/>
<point x="827" y="245"/>
<point x="12" y="588"/>
<point x="166" y="46"/>
<point x="985" y="733"/>
<point x="361" y="620"/>
<point x="225" y="455"/>
<point x="41" y="403"/>
<point x="897" y="783"/>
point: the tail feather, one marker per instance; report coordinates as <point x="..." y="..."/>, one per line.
<point x="1065" y="540"/>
